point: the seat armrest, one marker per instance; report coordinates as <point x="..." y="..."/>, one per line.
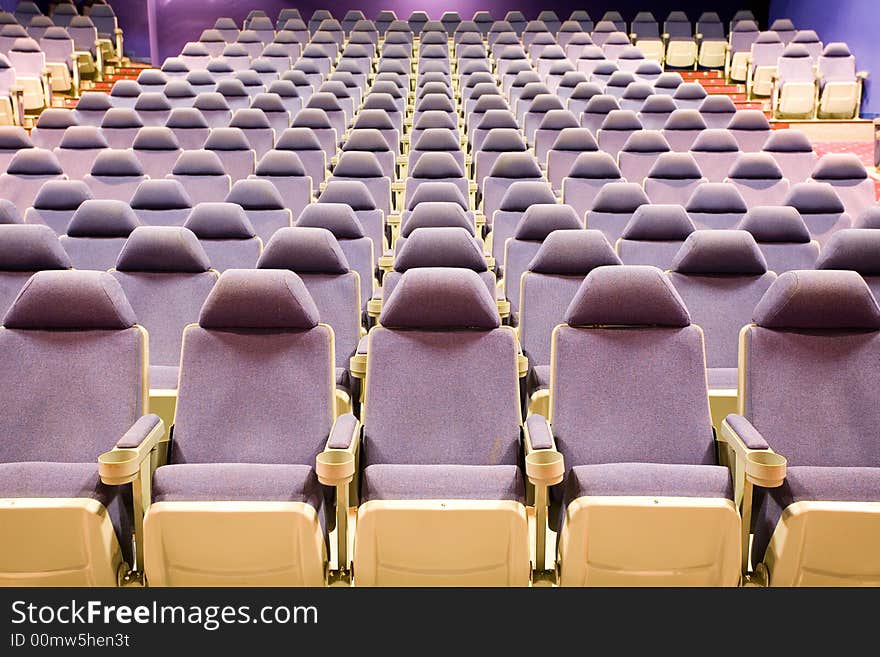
<point x="538" y="434"/>
<point x="763" y="466"/>
<point x="344" y="433"/>
<point x="123" y="463"/>
<point x="861" y="75"/>
<point x="545" y="467"/>
<point x="357" y="364"/>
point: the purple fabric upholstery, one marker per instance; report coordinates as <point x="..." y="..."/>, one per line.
<point x="654" y="235"/>
<point x="639" y="154"/>
<point x="55" y="204"/>
<point x="435" y="214"/>
<point x="750" y="128"/>
<point x="613" y="207"/>
<point x="793" y="152"/>
<point x="440" y="247"/>
<point x="433" y="298"/>
<point x="304" y="251"/>
<point x="97" y="233"/>
<point x="254" y="482"/>
<point x="673" y="179"/>
<point x="419" y="482"/>
<point x="720" y="252"/>
<point x="259" y="299"/>
<point x="162" y="249"/>
<point x="782" y="236"/>
<point x="648" y="479"/>
<point x="870" y="218"/>
<point x="854" y="249"/>
<point x="572" y="253"/>
<point x="226" y="234"/>
<point x="818" y="300"/>
<point x="820" y="207"/>
<point x="716" y="205"/>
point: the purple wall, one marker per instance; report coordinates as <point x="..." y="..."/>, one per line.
<point x="857" y="22"/>
<point x="179" y="21"/>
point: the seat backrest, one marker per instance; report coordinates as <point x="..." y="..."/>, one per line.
<point x="782" y="236"/>
<point x="25" y="249"/>
<point x="654" y="235"/>
<point x="548" y="285"/>
<point x="255" y="325"/>
<point x="806" y="320"/>
<point x="759" y="179"/>
<point x="56" y="202"/>
<point x="821" y="208"/>
<point x="614" y="206"/>
<point x="226" y="234"/>
<point x="625" y="319"/>
<point x="97" y="233"/>
<point x="721" y="275"/>
<point x="71" y="334"/>
<point x="716" y="205"/>
<point x="458" y="336"/>
<point x="166" y="276"/>
<point x="854" y="249"/>
<point x="161" y="203"/>
<point x="849" y="178"/>
<point x="837" y="64"/>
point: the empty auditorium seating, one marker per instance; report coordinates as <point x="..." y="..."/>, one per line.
<point x="97" y="232"/>
<point x="654" y="235"/>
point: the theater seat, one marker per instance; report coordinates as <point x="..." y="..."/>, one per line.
<point x="97" y="232"/>
<point x="226" y="234"/>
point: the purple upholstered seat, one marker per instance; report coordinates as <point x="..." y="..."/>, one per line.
<point x="157" y="149"/>
<point x="262" y="204"/>
<point x="55" y="204"/>
<point x="849" y="178"/>
<point x="25" y="175"/>
<point x="793" y="153"/>
<point x="226" y="234"/>
<point x="161" y="203"/>
<point x="639" y="153"/>
<point x="567" y="147"/>
<point x="783" y="237"/>
<point x="613" y="207"/>
<point x="716" y="205"/>
<point x="854" y="249"/>
<point x="654" y="235"/>
<point x="234" y="150"/>
<point x="97" y="233"/>
<point x="673" y="179"/>
<point x="721" y="275"/>
<point x="716" y="151"/>
<point x="24" y="250"/>
<point x="518" y="198"/>
<point x="820" y="207"/>
<point x="115" y="175"/>
<point x="166" y="276"/>
<point x="759" y="179"/>
<point x="589" y="174"/>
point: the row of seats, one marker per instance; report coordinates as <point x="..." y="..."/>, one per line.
<point x="610" y="470"/>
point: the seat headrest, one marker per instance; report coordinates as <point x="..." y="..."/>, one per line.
<point x="359" y="164"/>
<point x="61" y="195"/>
<point x="573" y="253"/>
<point x="575" y="139"/>
<point x="720" y="252"/>
<point x="268" y="102"/>
<point x="557" y="119"/>
<point x="55" y="33"/>
<point x="255" y="194"/>
<point x="437" y="191"/>
<point x="304" y="251"/>
<point x="117" y="163"/>
<point x="435" y="119"/>
<point x="227" y="139"/>
<point x="283" y="89"/>
<point x="675" y="166"/>
<point x="162" y="249"/>
<point x="102" y="218"/>
<point x="500" y="140"/>
<point x="13" y="30"/>
<point x="338" y="218"/>
<point x="717" y="105"/>
<point x="432" y="298"/>
<point x="839" y="166"/>
<point x="195" y="49"/>
<point x="749" y="120"/>
<point x="621" y="120"/>
<point x="631" y="53"/>
<point x="658" y="223"/>
<point x="813" y="198"/>
<point x="637" y="91"/>
<point x="160" y="195"/>
<point x="324" y="100"/>
<point x="198" y="78"/>
<point x="34" y="162"/>
<point x="211" y="101"/>
<point x="596" y="165"/>
<point x="280" y="163"/>
<point x="515" y="165"/>
<point x="836" y="49"/>
<point x="805" y="36"/>
<point x="297" y="139"/>
<point x="541" y="219"/>
<point x="15" y="138"/>
<point x="715" y="198"/>
<point x="434" y="139"/>
<point x="250" y="119"/>
<point x="121" y="117"/>
<point x="571" y="79"/>
<point x="436" y="165"/>
<point x="151" y="101"/>
<point x="818" y="300"/>
<point x="520" y="195"/>
<point x="788" y="141"/>
<point x="620" y="197"/>
<point x="544" y="103"/>
<point x="151" y="77"/>
<point x="870" y="218"/>
<point x="154" y="138"/>
<point x="186" y="117"/>
<point x="198" y="163"/>
<point x="658" y="104"/>
<point x="601" y="104"/>
<point x="435" y="102"/>
<point x="219" y="66"/>
<point x="440" y="246"/>
<point x="690" y="91"/>
<point x="669" y="80"/>
<point x="220" y="221"/>
<point x="685" y="119"/>
<point x="776" y="224"/>
<point x="231" y="87"/>
<point x="796" y="51"/>
<point x="646" y="141"/>
<point x="353" y="193"/>
<point x="756" y="166"/>
<point x="586" y="91"/>
<point x="71" y="300"/>
<point x="25" y="44"/>
<point x="649" y="68"/>
<point x="433" y="214"/>
<point x="745" y="26"/>
<point x="768" y="36"/>
<point x="497" y="118"/>
<point x="634" y="295"/>
<point x="372" y="119"/>
<point x="857" y="249"/>
<point x="715" y="140"/>
<point x="31" y="247"/>
<point x="81" y="137"/>
<point x="177" y="89"/>
<point x="259" y="299"/>
<point x="57" y="118"/>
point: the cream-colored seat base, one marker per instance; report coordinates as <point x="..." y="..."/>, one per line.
<point x="839" y="100"/>
<point x="57" y="542"/>
<point x="762" y="81"/>
<point x="826" y="544"/>
<point x="234" y="544"/>
<point x="739" y="68"/>
<point x="59" y="75"/>
<point x="33" y="97"/>
<point x="441" y="543"/>
<point x="681" y="54"/>
<point x="650" y="541"/>
<point x="712" y="54"/>
<point x="797" y="99"/>
<point x="651" y="49"/>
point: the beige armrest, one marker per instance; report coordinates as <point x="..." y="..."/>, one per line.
<point x="122" y="465"/>
<point x="522" y="364"/>
<point x="862" y="74"/>
<point x="762" y="467"/>
<point x="544" y="468"/>
<point x="386" y="263"/>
